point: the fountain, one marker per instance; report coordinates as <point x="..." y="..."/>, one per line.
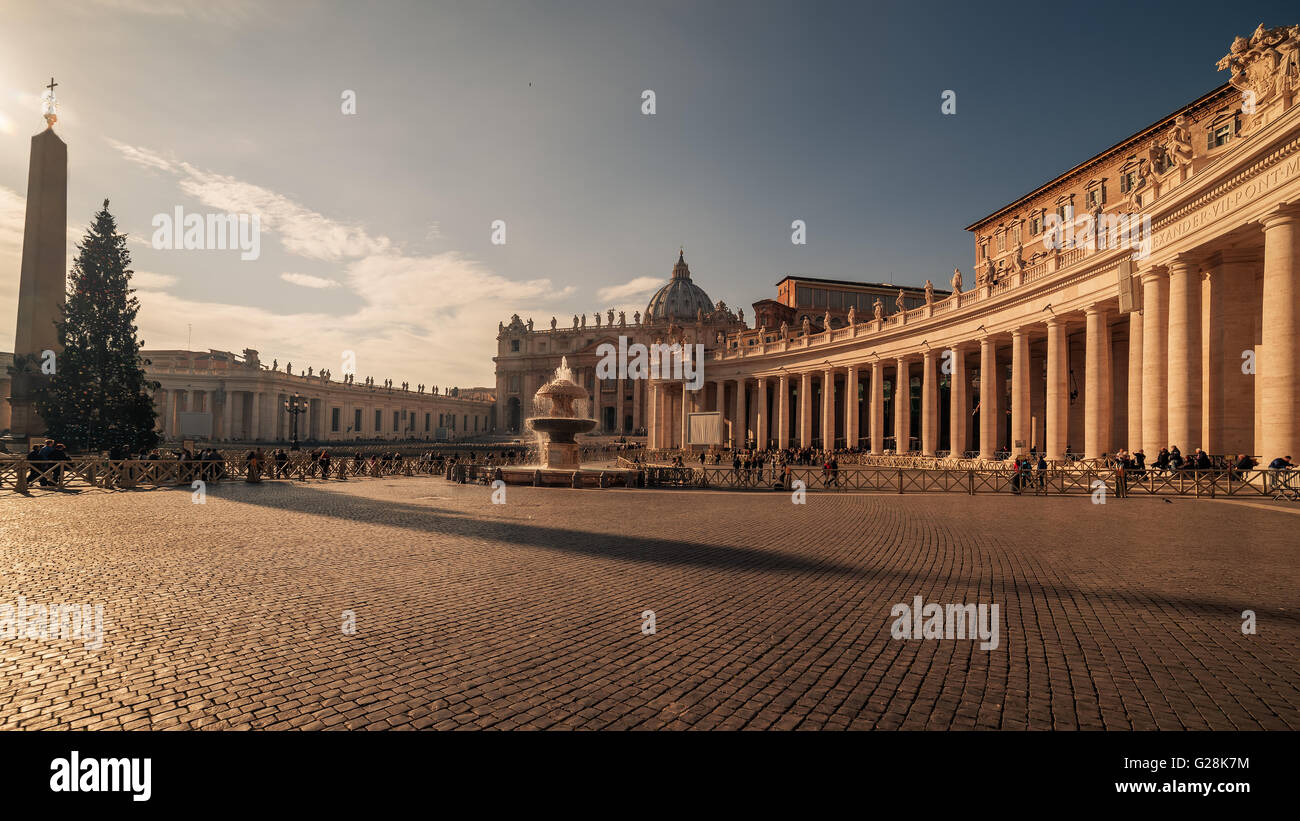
<point x="560" y="407"/>
<point x="560" y="423"/>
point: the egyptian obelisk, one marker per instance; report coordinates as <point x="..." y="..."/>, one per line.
<point x="43" y="286"/>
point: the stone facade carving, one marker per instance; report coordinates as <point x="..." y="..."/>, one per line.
<point x="1266" y="70"/>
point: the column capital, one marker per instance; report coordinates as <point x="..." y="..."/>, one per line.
<point x="1094" y="309"/>
<point x="1183" y="262"/>
<point x="1285" y="213"/>
<point x="1154" y="273"/>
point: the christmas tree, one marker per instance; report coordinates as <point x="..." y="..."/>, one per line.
<point x="98" y="397"/>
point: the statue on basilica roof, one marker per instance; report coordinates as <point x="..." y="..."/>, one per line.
<point x="956" y="281"/>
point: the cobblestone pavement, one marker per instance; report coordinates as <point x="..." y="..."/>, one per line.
<point x="229" y="614"/>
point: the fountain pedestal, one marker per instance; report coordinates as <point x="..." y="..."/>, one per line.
<point x="559" y="455"/>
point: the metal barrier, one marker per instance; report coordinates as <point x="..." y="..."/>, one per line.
<point x="21" y="475"/>
<point x="1084" y="480"/>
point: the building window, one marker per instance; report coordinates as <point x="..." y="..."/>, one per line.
<point x="819" y="297"/>
<point x="514" y="383"/>
<point x="397" y="423"/>
<point x="1015" y="234"/>
<point x="984" y="250"/>
<point x="334" y="420"/>
<point x="1002" y="241"/>
<point x="514" y="346"/>
<point x="1220" y="135"/>
<point x="1035" y="225"/>
<point x="1097" y="196"/>
<point x="379" y="421"/>
<point x="1127" y="181"/>
<point x="427" y="417"/>
<point x="802" y="296"/>
<point x="356" y="421"/>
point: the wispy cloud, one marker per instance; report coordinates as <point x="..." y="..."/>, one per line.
<point x="308" y="281"/>
<point x="402" y="329"/>
<point x="429" y="318"/>
<point x="150" y="281"/>
<point x="633" y="289"/>
<point x="225" y="12"/>
<point x="302" y="231"/>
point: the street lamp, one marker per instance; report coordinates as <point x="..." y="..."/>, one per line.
<point x="293" y="406"/>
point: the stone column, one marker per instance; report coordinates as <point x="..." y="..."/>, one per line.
<point x="1278" y="364"/>
<point x="990" y="415"/>
<point x="1134" y="439"/>
<point x="877" y="408"/>
<point x="638" y="385"/>
<point x="618" y="413"/>
<point x="929" y="405"/>
<point x="1096" y="396"/>
<point x="958" y="405"/>
<point x="1019" y="392"/>
<point x="1058" y="391"/>
<point x="652" y="430"/>
<point x="227" y="413"/>
<point x="1232" y="312"/>
<point x="851" y="410"/>
<point x="165" y="412"/>
<point x="783" y="411"/>
<point x="686" y="409"/>
<point x="902" y="407"/>
<point x="740" y="429"/>
<point x="255" y="426"/>
<point x="1155" y="373"/>
<point x="761" y="415"/>
<point x="1184" y="352"/>
<point x="828" y="409"/>
<point x="805" y="409"/>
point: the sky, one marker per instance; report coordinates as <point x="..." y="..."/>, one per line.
<point x="377" y="226"/>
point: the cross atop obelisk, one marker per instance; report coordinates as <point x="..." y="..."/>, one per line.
<point x="49" y="108"/>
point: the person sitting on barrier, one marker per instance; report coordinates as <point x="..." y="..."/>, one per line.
<point x="1243" y="464"/>
<point x="34" y="464"/>
<point x="44" y="461"/>
<point x="60" y="454"/>
<point x="1176" y="460"/>
<point x="1139" y="463"/>
<point x="1202" y="461"/>
<point x="1162" y="460"/>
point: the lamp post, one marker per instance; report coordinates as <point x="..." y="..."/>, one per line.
<point x="293" y="406"/>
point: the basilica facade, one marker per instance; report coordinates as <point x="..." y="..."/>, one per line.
<point x="527" y="357"/>
<point x="1147" y="297"/>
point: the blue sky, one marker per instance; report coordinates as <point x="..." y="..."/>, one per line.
<point x="377" y="225"/>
